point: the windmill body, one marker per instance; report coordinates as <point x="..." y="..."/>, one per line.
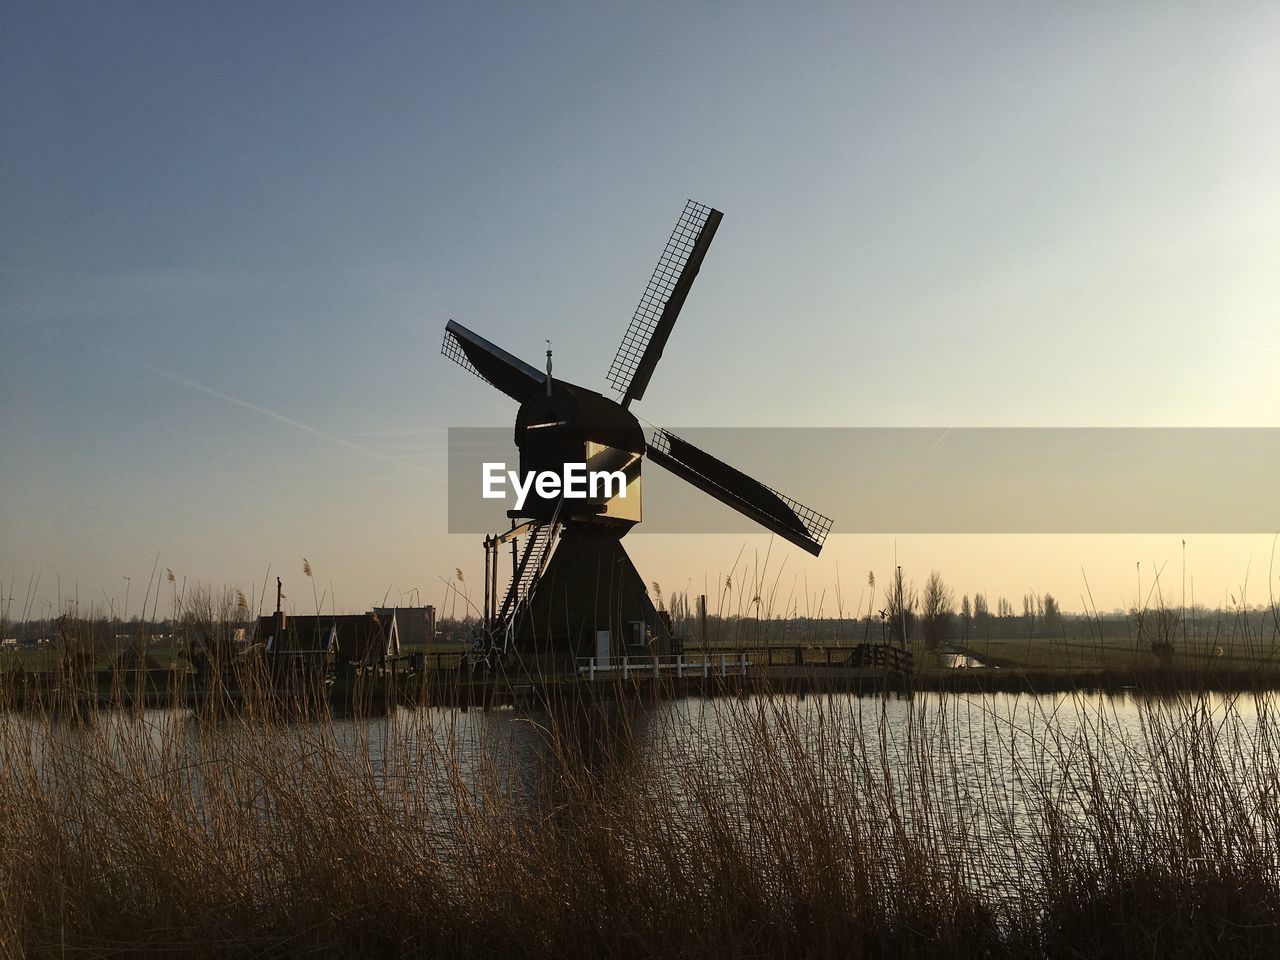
<point x="573" y="592"/>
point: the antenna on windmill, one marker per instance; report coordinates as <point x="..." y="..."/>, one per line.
<point x="548" y="368"/>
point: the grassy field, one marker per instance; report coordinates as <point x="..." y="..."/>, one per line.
<point x="1224" y="651"/>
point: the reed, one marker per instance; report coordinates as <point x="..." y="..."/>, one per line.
<point x="943" y="826"/>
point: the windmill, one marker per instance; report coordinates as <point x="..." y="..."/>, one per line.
<point x="573" y="590"/>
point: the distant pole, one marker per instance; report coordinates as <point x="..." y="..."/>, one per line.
<point x="548" y="368"/>
<point x="279" y="619"/>
<point x="493" y="586"/>
<point x="902" y="609"/>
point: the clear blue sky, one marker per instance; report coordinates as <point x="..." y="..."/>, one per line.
<point x="230" y="236"/>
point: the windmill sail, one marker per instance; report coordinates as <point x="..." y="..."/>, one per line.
<point x="517" y="379"/>
<point x="664" y="296"/>
<point x="787" y="518"/>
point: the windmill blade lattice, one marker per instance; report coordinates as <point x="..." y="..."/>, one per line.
<point x="517" y="379"/>
<point x="785" y="516"/>
<point x="656" y="315"/>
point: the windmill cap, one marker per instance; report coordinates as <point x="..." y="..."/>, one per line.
<point x="573" y="411"/>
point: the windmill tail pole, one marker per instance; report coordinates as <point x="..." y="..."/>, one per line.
<point x="487" y="554"/>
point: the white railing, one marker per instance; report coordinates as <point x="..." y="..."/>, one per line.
<point x="724" y="665"/>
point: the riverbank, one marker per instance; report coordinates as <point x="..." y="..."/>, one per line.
<point x="480" y="687"/>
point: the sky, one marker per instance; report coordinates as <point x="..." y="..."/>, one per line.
<point x="231" y="235"/>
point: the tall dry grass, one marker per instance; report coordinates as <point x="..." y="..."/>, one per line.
<point x="762" y="826"/>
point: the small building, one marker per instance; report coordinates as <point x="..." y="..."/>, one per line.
<point x="295" y="644"/>
<point x="308" y="643"/>
<point x="417" y="625"/>
<point x="366" y="639"/>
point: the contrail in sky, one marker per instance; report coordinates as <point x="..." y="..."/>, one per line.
<point x="278" y="417"/>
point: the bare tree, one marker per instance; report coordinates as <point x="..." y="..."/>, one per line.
<point x="899" y="614"/>
<point x="937" y="610"/>
<point x="966" y="619"/>
<point x="1052" y="615"/>
<point x="980" y="610"/>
